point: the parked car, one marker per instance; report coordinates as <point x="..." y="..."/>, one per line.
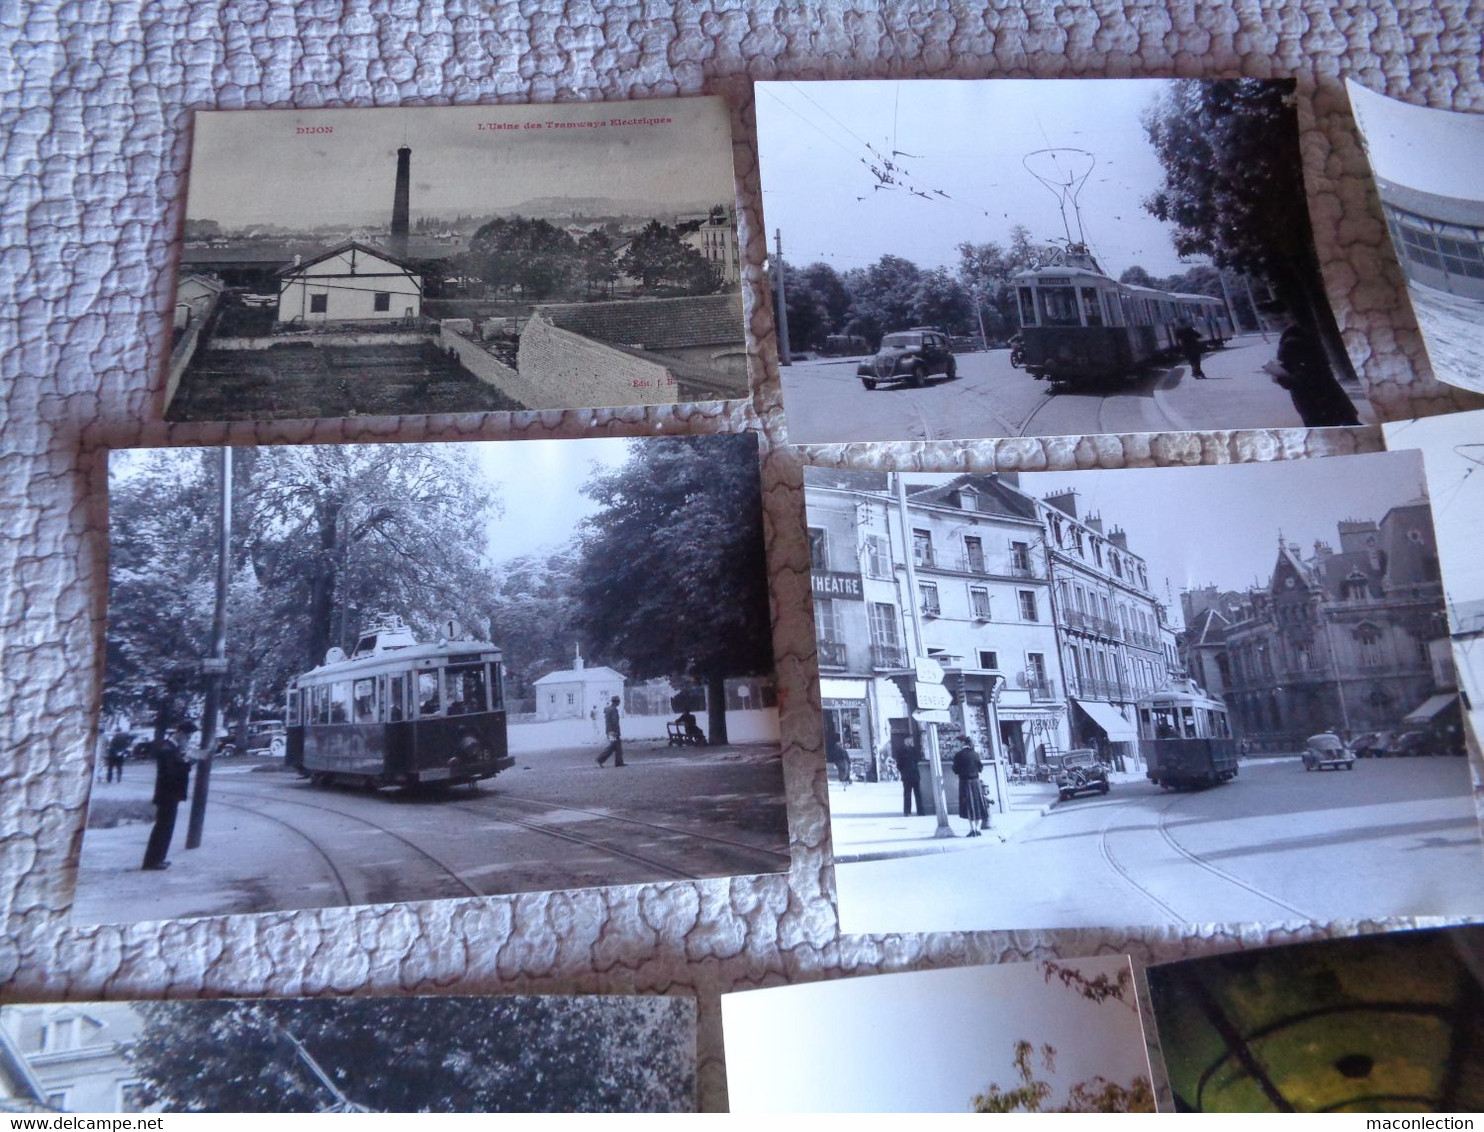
<point x="911" y="356"/>
<point x="1078" y="772"/>
<point x="1373" y="744"/>
<point x="1414" y="742"/>
<point x="843" y="345"/>
<point x="1327" y="751"/>
<point x="264" y="737"/>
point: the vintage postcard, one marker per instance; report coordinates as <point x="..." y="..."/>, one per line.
<point x="457" y="259"/>
<point x="966" y="259"/>
<point x="1429" y="171"/>
<point x="1452" y="448"/>
<point x="495" y="1054"/>
<point x="419" y="671"/>
<point x="1377" y="1023"/>
<point x="1054" y="1036"/>
<point x="1139" y="697"/>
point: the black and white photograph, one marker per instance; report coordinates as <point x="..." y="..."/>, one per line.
<point x="1143" y="697"/>
<point x="1053" y="1036"/>
<point x="1000" y="258"/>
<point x="457" y="259"/>
<point x="352" y="1055"/>
<point x="361" y="674"/>
<point x="1452" y="448"/>
<point x="1390" y="1022"/>
<point x="1429" y="170"/>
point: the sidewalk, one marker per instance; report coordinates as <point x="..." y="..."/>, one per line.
<point x="867" y="824"/>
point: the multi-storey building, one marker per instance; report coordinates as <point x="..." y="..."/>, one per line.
<point x="1341" y="639"/>
<point x="982" y="605"/>
<point x="77" y="1054"/>
<point x="1115" y="643"/>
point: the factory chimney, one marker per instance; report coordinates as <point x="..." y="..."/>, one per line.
<point x="398" y="242"/>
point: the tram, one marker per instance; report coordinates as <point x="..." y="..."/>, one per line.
<point x="1080" y="326"/>
<point x="399" y="713"/>
<point x="1186" y="738"/>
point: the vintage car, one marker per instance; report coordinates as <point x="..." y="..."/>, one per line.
<point x="1078" y="772"/>
<point x="264" y="737"/>
<point x="1327" y="751"/>
<point x="1373" y="744"/>
<point x="911" y="356"/>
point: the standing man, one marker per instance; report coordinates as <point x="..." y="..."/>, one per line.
<point x="1188" y="338"/>
<point x="118" y="751"/>
<point x="1303" y="370"/>
<point x="172" y="777"/>
<point x="615" y="735"/>
<point x="905" y="756"/>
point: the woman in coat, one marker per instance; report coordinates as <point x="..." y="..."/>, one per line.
<point x="967" y="765"/>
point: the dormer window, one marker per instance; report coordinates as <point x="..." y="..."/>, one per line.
<point x="968" y="499"/>
<point x="1357" y="587"/>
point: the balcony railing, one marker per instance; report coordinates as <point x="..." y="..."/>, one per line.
<point x="982" y="567"/>
<point x="888" y="656"/>
<point x="1091" y="623"/>
<point x="832" y="654"/>
<point x="1036" y="684"/>
<point x="1092" y="688"/>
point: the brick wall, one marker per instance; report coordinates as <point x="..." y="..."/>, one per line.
<point x="479" y="361"/>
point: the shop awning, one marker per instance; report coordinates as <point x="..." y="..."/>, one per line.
<point x="1430" y="708"/>
<point x="1110" y="719"/>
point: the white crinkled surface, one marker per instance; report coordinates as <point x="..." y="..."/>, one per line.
<point x="96" y="108"/>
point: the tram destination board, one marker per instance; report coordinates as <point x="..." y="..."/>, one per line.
<point x="478" y="682"/>
<point x="1086" y="284"/>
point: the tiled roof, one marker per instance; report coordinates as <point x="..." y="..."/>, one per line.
<point x="654" y="324"/>
<point x="995" y="496"/>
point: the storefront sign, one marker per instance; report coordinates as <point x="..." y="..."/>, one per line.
<point x="830" y="583"/>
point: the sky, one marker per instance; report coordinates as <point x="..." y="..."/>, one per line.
<point x="927" y="1041"/>
<point x="540" y="487"/>
<point x="1219" y="524"/>
<point x="1434" y="151"/>
<point x="256" y="167"/>
<point x="966" y="139"/>
<point x="1453" y="449"/>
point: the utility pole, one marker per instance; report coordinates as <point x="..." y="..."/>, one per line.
<point x="935" y="759"/>
<point x="780" y="313"/>
<point x="1226" y="296"/>
<point x="215" y="666"/>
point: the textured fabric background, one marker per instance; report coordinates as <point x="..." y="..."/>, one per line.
<point x="95" y="107"/>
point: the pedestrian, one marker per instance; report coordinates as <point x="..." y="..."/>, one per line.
<point x="597" y="722"/>
<point x="835" y="752"/>
<point x="1188" y="338"/>
<point x="118" y="751"/>
<point x="905" y="757"/>
<point x="971" y="804"/>
<point x="615" y="735"/>
<point x="172" y="777"/>
<point x="1301" y="368"/>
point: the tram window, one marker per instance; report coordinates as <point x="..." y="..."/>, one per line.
<point x="1092" y="310"/>
<point x="291" y="716"/>
<point x="1164" y="724"/>
<point x="1187" y="720"/>
<point x="1059" y="306"/>
<point x="1027" y="307"/>
<point x="464" y="686"/>
<point x="364" y="703"/>
<point x="396" y="698"/>
<point x="427" y="692"/>
<point x="340" y="701"/>
<point x="497" y="688"/>
<point x="320" y="704"/>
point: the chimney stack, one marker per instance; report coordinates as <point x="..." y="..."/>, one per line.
<point x="401" y="203"/>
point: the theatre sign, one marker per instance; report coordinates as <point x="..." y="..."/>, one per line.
<point x="833" y="583"/>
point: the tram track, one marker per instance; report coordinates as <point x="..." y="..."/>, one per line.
<point x="1110" y="858"/>
<point x="600" y="846"/>
<point x="711" y="837"/>
<point x="416" y="848"/>
<point x="329" y="861"/>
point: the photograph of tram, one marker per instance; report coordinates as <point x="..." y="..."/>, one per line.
<point x="492" y="667"/>
<point x="1107" y="256"/>
<point x="1183" y="639"/>
<point x="1426" y="166"/>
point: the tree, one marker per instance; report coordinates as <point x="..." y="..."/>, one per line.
<point x="882" y="297"/>
<point x="673" y="576"/>
<point x="533" y="615"/>
<point x="1097" y="1094"/>
<point x="534" y="255"/>
<point x="940" y="300"/>
<point x="599" y="261"/>
<point x="817" y="304"/>
<point x="1234" y="189"/>
<point x="658" y="257"/>
<point x="1136" y="276"/>
<point x="505" y="1054"/>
